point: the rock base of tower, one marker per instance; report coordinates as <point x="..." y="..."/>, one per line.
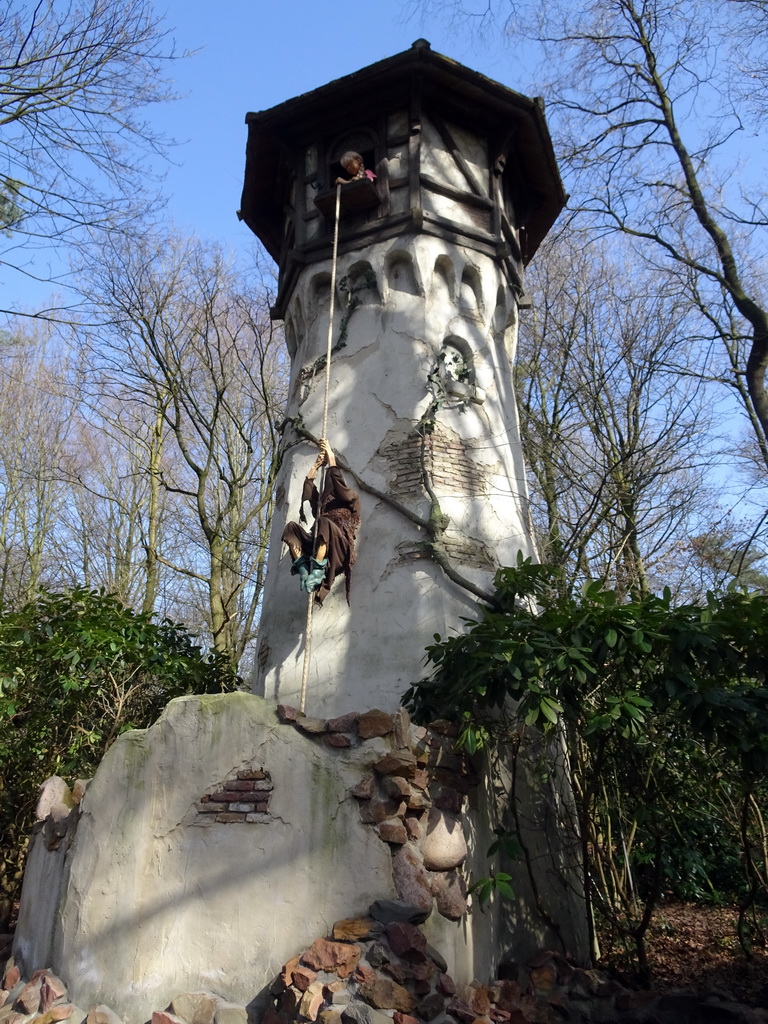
<point x="211" y="848"/>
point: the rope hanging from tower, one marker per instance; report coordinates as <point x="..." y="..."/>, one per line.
<point x="329" y="549"/>
<point x="323" y="434"/>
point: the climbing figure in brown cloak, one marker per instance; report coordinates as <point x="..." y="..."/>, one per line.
<point x="328" y="550"/>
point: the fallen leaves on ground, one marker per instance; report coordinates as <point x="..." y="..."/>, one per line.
<point x="695" y="947"/>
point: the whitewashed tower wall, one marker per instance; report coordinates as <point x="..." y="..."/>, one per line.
<point x="422" y="385"/>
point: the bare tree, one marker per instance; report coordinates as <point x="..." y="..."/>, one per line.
<point x="116" y="511"/>
<point x="616" y="445"/>
<point x="75" y="148"/>
<point x="193" y="349"/>
<point x="656" y="109"/>
<point x="655" y="106"/>
<point x="36" y="416"/>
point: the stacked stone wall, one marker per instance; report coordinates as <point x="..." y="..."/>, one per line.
<point x="413" y="798"/>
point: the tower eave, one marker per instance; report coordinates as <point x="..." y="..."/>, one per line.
<point x="462" y="94"/>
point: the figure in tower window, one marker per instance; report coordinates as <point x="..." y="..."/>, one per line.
<point x="328" y="549"/>
<point x="353" y="164"/>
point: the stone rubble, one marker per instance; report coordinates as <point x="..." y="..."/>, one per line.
<point x="380" y="969"/>
<point x="43" y="999"/>
<point x="390" y="975"/>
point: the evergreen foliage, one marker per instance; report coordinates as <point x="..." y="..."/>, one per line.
<point x="76" y="669"/>
<point x="664" y="712"/>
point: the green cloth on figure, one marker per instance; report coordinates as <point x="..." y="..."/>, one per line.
<point x="315" y="576"/>
<point x="300" y="568"/>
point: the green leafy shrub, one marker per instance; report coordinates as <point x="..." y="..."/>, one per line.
<point x="664" y="713"/>
<point x="77" y="669"/>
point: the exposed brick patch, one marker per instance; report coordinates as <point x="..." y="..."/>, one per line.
<point x="242" y="799"/>
<point x="447" y="460"/>
<point x="467" y="551"/>
<point x="461" y="550"/>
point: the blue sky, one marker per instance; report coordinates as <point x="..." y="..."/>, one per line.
<point x="251" y="55"/>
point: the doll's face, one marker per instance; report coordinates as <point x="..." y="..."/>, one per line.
<point x="353" y="165"/>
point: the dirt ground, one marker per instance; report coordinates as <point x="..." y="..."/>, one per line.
<point x="694" y="946"/>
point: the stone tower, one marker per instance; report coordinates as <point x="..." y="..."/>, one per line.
<point x="215" y="846"/>
<point x="422" y="407"/>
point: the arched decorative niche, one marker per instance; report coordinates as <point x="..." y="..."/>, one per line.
<point x="456" y="370"/>
<point x="289" y="333"/>
<point x="360" y="283"/>
<point x="444" y="280"/>
<point x="298" y="319"/>
<point x="500" y="314"/>
<point x="320" y="292"/>
<point x="471" y="293"/>
<point x="294" y="327"/>
<point x="401" y="274"/>
<point x="505" y="321"/>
